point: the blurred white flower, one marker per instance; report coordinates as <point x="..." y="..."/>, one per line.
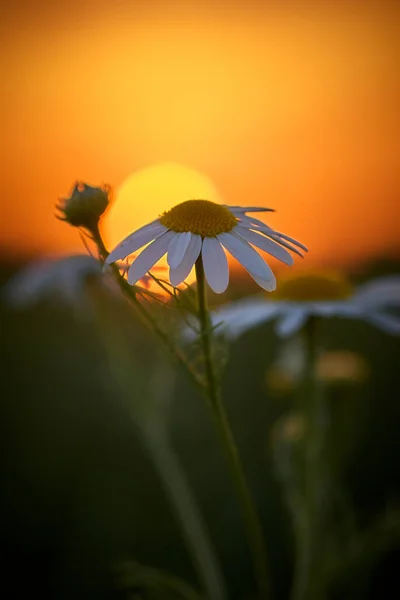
<point x="334" y="367"/>
<point x="288" y="368"/>
<point x="63" y="279"/>
<point x="323" y="295"/>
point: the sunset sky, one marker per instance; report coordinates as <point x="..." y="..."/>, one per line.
<point x="285" y="104"/>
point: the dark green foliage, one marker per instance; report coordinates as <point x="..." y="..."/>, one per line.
<point x="79" y="493"/>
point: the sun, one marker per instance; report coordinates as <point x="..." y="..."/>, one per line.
<point x="146" y="194"/>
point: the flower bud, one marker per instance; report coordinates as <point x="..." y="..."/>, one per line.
<point x="85" y="205"/>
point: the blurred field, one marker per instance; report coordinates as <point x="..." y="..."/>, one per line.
<point x="79" y="489"/>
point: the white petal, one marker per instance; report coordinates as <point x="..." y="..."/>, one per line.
<point x="65" y="276"/>
<point x="149" y="256"/>
<point x="269" y="230"/>
<point x="278" y="241"/>
<point x="282" y="243"/>
<point x="136" y="240"/>
<point x="30" y="284"/>
<point x="382" y="291"/>
<point x="261" y="227"/>
<point x="244" y="315"/>
<point x="340" y="308"/>
<point x="387" y="323"/>
<point x="292" y="321"/>
<point x="283" y="236"/>
<point x="266" y="284"/>
<point x="272" y="232"/>
<point x="246" y="255"/>
<point x="244" y="209"/>
<point x="215" y="265"/>
<point x="349" y="309"/>
<point x="177" y="248"/>
<point x="254" y="223"/>
<point x="265" y="244"/>
<point x="179" y="274"/>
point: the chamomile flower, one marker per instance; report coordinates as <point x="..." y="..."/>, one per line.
<point x="316" y="294"/>
<point x="63" y="279"/>
<point x="203" y="228"/>
<point x="333" y="367"/>
<point x="60" y="279"/>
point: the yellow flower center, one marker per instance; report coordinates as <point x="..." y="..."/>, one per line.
<point x="316" y="286"/>
<point x="202" y="217"/>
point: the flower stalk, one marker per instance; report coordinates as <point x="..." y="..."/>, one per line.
<point x="129" y="292"/>
<point x="147" y="418"/>
<point x="309" y="571"/>
<point x="251" y="519"/>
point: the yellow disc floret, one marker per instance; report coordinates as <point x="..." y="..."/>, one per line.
<point x="202" y="217"/>
<point x="314" y="286"/>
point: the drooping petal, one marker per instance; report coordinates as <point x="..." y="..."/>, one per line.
<point x="215" y="265"/>
<point x="264" y="243"/>
<point x="260" y="227"/>
<point x="380" y="292"/>
<point x="246" y="255"/>
<point x="136" y="240"/>
<point x="177" y="248"/>
<point x="384" y="321"/>
<point x="280" y="242"/>
<point x="289" y="239"/>
<point x="284" y="244"/>
<point x="239" y="210"/>
<point x="64" y="278"/>
<point x="244" y="314"/>
<point x="179" y="274"/>
<point x="293" y="320"/>
<point x="149" y="256"/>
<point x="270" y="231"/>
<point x="266" y="284"/>
<point x="336" y="308"/>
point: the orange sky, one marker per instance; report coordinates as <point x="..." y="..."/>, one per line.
<point x="293" y="107"/>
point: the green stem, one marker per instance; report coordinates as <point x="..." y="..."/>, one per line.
<point x="129" y="292"/>
<point x="142" y="575"/>
<point x="364" y="548"/>
<point x="252" y="522"/>
<point x="177" y="489"/>
<point x="308" y="580"/>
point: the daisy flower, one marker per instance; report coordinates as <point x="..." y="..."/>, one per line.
<point x="203" y="228"/>
<point x="316" y="294"/>
<point x="62" y="279"/>
<point x="334" y="367"/>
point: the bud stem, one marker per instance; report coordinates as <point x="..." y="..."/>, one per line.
<point x="309" y="578"/>
<point x="129" y="291"/>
